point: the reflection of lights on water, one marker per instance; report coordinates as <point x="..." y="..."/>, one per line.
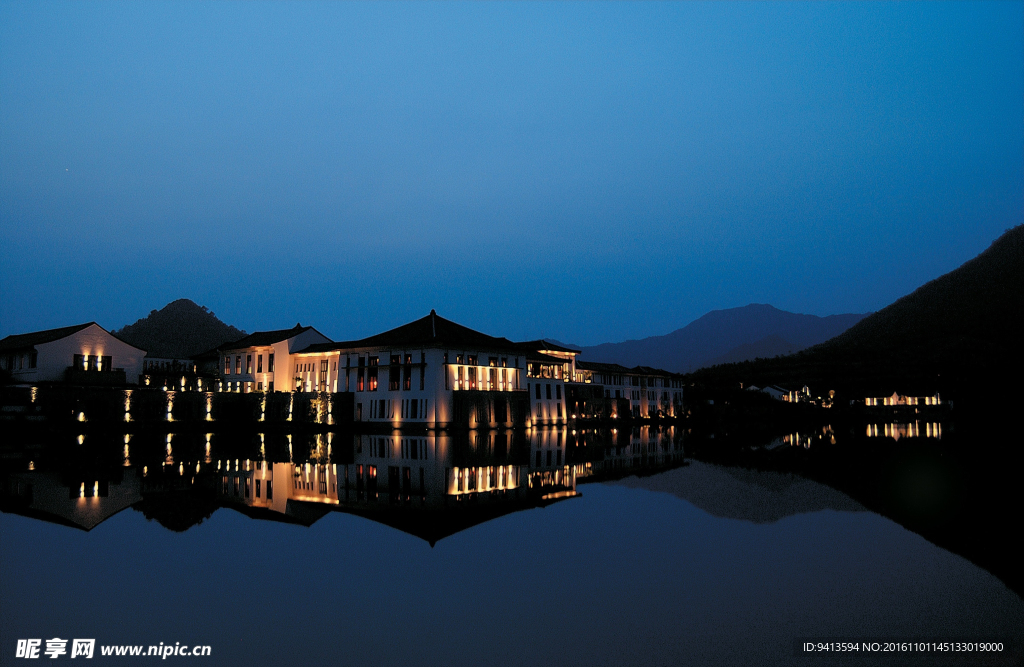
<point x="909" y="430"/>
<point x="31" y="465"/>
<point x="81" y="439"/>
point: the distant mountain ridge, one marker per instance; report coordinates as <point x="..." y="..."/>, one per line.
<point x="724" y="336"/>
<point x="179" y="330"/>
<point x="959" y="332"/>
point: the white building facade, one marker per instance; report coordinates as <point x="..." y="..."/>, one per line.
<point x="264" y="361"/>
<point x="85" y="353"/>
<point x="412" y="374"/>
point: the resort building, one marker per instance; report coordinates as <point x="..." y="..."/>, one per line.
<point x="897" y="400"/>
<point x="80" y="354"/>
<point x="651" y="392"/>
<point x="431" y="371"/>
<point x="253" y="363"/>
<point x="549" y="368"/>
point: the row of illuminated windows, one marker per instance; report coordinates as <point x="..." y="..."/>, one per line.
<point x="473" y="360"/>
<point x="538" y="370"/>
<point x="472" y="480"/>
<point x="496" y="378"/>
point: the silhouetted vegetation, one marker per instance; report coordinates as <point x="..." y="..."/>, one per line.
<point x="179" y="330"/>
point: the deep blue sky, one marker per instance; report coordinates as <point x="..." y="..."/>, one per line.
<point x="592" y="172"/>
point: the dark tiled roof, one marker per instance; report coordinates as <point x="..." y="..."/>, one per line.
<point x="22" y="341"/>
<point x="264" y="338"/>
<point x="648" y="370"/>
<point x="602" y="368"/>
<point x="538" y="345"/>
<point x="430" y="331"/>
<point x="545" y="358"/>
<point x="622" y="370"/>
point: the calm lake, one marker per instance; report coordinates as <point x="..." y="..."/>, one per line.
<point x="481" y="549"/>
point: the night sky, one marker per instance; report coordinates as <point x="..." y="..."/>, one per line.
<point x="590" y="172"/>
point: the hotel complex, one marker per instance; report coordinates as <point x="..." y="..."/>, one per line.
<point x="430" y="372"/>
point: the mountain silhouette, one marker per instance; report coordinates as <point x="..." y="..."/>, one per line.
<point x="733" y="334"/>
<point x="179" y="330"/>
<point x="969" y="315"/>
<point x="959" y="331"/>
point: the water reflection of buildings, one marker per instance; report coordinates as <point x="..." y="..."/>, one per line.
<point x="618" y="452"/>
<point x="78" y="500"/>
<point x="899" y="400"/>
<point x="909" y="430"/>
<point x="430" y="485"/>
<point x="825" y="434"/>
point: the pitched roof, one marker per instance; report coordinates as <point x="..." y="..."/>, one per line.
<point x="541" y="344"/>
<point x="622" y="370"/>
<point x="649" y="370"/>
<point x="545" y="358"/>
<point x="430" y="331"/>
<point x="601" y="367"/>
<point x="264" y="338"/>
<point x="26" y="340"/>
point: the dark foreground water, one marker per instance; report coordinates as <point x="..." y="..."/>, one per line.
<point x="696" y="564"/>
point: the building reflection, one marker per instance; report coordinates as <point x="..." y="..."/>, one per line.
<point x="905" y="430"/>
<point x="429" y="484"/>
